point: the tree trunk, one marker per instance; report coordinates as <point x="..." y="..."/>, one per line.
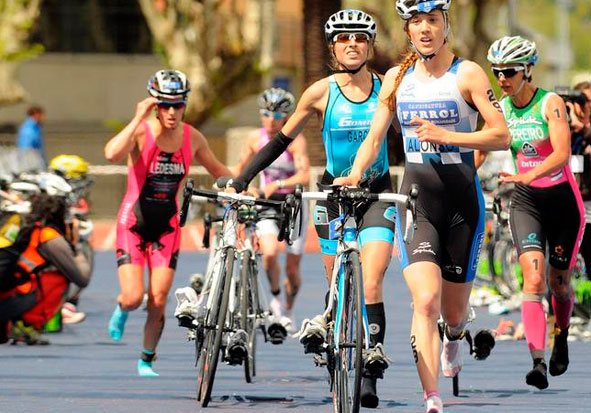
<point x="316" y="59"/>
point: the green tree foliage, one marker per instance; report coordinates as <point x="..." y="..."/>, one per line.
<point x="17" y="18"/>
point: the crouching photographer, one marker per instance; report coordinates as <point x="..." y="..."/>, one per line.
<point x="37" y="270"/>
<point x="578" y="102"/>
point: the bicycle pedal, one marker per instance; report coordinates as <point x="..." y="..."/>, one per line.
<point x="320" y="361"/>
<point x="374" y="370"/>
<point x="186" y="321"/>
<point x="483" y="343"/>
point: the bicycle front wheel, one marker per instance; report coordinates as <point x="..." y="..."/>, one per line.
<point x="348" y="358"/>
<point x="214" y="335"/>
<point x="248" y="311"/>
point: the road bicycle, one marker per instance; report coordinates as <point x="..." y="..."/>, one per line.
<point x="348" y="332"/>
<point x="231" y="298"/>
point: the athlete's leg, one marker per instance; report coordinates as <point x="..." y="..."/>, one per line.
<point x="562" y="303"/>
<point x="293" y="280"/>
<point x="534" y="287"/>
<point x="269" y="247"/>
<point x="425" y="283"/>
<point x="454" y="311"/>
<point x="131" y="282"/>
<point x="160" y="282"/>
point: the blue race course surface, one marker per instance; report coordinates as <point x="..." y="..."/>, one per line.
<point x="84" y="371"/>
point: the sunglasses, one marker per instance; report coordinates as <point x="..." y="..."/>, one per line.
<point x="168" y="105"/>
<point x="270" y="114"/>
<point x="347" y="37"/>
<point x="507" y="72"/>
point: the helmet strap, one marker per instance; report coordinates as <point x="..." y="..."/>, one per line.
<point x="350" y="71"/>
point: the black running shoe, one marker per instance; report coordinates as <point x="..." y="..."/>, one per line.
<point x="277" y="333"/>
<point x="559" y="359"/>
<point x="237" y="351"/>
<point x="369" y="398"/>
<point x="483" y="343"/>
<point x="537" y="376"/>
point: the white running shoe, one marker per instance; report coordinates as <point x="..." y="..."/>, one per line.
<point x="434" y="405"/>
<point x="451" y="357"/>
<point x="312" y="333"/>
<point x="71" y="315"/>
<point x="275" y="307"/>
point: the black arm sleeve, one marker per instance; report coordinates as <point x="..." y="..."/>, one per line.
<point x="268" y="153"/>
<point x="70" y="263"/>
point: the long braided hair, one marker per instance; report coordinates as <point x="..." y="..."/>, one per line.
<point x="408" y="60"/>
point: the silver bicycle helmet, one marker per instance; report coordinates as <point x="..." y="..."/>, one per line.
<point x="276" y="100"/>
<point x="348" y="21"/>
<point x="169" y="84"/>
<point x="512" y="50"/>
<point x="408" y="8"/>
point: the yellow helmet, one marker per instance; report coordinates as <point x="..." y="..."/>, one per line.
<point x="69" y="166"/>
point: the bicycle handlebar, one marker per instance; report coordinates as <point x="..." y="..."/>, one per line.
<point x="286" y="208"/>
<point x="338" y="194"/>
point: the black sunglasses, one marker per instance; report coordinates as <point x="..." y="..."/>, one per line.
<point x="167" y="105"/>
<point x="507" y="72"/>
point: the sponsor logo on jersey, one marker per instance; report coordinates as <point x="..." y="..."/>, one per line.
<point x="444" y="112"/>
<point x="530" y="120"/>
<point x="349" y="122"/>
<point x="424" y="247"/>
<point x="528" y="149"/>
<point x="531" y="241"/>
<point x="345" y="108"/>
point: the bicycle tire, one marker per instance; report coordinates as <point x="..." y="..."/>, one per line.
<point x="210" y="362"/>
<point x="248" y="313"/>
<point x="349" y="358"/>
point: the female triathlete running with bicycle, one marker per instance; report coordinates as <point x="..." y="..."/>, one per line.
<point x="436" y="98"/>
<point x="159" y="153"/>
<point x="345" y="102"/>
<point x="546" y="205"/>
<point x="291" y="168"/>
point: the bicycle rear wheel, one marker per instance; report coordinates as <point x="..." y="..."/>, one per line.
<point x="248" y="312"/>
<point x="214" y="334"/>
<point x="348" y="357"/>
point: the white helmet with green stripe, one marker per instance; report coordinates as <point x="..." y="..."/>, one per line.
<point x="512" y="50"/>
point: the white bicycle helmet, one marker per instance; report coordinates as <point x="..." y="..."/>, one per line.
<point x="169" y="84"/>
<point x="277" y="100"/>
<point x="348" y="21"/>
<point x="512" y="50"/>
<point x="408" y="8"/>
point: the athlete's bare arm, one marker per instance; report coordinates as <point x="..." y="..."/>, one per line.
<point x="205" y="156"/>
<point x="382" y="119"/>
<point x="125" y="142"/>
<point x="248" y="150"/>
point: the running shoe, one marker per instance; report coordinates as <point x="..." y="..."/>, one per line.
<point x="559" y="358"/>
<point x="196" y="281"/>
<point x="537" y="376"/>
<point x="71" y="315"/>
<point x="237" y="351"/>
<point x="434" y="405"/>
<point x="144" y="369"/>
<point x="375" y="362"/>
<point x="369" y="397"/>
<point x="276" y="330"/>
<point x="451" y="356"/>
<point x="117" y="323"/>
<point x="275" y="307"/>
<point x="312" y="334"/>
<point x="483" y="343"/>
<point x="23" y="333"/>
